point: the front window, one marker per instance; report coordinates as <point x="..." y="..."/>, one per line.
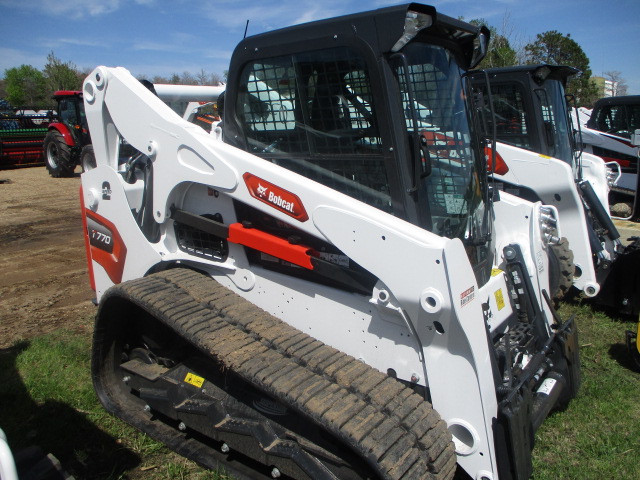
<point x="448" y="181"/>
<point x="314" y="113"/>
<point x="557" y="128"/>
<point x="68" y="112"/>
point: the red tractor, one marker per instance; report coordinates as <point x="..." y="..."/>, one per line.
<point x="68" y="142"/>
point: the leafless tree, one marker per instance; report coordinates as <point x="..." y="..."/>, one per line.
<point x="515" y="37"/>
<point x="202" y="77"/>
<point x="618" y="84"/>
<point x="187" y="78"/>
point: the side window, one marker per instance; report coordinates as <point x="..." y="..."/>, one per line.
<point x="314" y="113"/>
<point x="604" y="119"/>
<point x="612" y="119"/>
<point x="267" y="106"/>
<point x="618" y="119"/>
<point x="511" y="116"/>
<point x="633" y="112"/>
<point x="550" y="132"/>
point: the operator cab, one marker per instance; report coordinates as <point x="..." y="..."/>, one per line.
<point x="617" y="115"/>
<point x="376" y="113"/>
<point x="538" y="122"/>
<point x="71" y="113"/>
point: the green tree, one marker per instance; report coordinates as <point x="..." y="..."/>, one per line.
<point x="25" y="85"/>
<point x="61" y="75"/>
<point x="500" y="53"/>
<point x="554" y="48"/>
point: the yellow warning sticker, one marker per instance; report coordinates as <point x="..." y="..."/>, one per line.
<point x="193" y="379"/>
<point x="499" y="299"/>
<point x="495" y="272"/>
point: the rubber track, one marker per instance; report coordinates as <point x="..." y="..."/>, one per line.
<point x="394" y="429"/>
<point x="565" y="270"/>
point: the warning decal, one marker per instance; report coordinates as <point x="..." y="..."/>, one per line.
<point x="467" y="296"/>
<point x="193" y="379"/>
<point x="499" y="299"/>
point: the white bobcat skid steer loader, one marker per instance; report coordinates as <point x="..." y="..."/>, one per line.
<point x="332" y="291"/>
<point x="540" y="159"/>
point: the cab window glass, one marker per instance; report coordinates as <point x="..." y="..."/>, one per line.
<point x="314" y="113"/>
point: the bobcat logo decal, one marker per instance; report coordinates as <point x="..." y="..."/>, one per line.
<point x="276" y="197"/>
<point x="261" y="191"/>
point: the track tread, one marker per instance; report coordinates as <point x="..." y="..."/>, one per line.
<point x="390" y="426"/>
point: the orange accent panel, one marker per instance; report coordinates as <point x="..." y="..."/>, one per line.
<point x="270" y="244"/>
<point x="113" y="262"/>
<point x="501" y="166"/>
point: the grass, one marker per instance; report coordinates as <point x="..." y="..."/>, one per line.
<point x="46" y="399"/>
<point x="598" y="435"/>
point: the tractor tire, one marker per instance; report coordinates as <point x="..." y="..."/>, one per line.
<point x="87" y="158"/>
<point x="57" y="155"/>
<point x="561" y="270"/>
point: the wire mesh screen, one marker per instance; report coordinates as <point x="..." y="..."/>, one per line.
<point x="556" y="127"/>
<point x="314" y="114"/>
<point x="436" y="118"/>
<point x="510" y="115"/>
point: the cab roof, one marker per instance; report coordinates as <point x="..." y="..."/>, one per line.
<point x="380" y="28"/>
<point x="66" y="93"/>
<point x="622" y="100"/>
<point x="539" y="72"/>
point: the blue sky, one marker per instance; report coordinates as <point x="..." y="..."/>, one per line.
<point x="161" y="37"/>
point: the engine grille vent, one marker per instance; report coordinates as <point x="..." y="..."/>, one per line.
<point x="201" y="244"/>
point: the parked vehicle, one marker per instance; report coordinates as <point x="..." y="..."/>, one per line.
<point x="22" y="132"/>
<point x="331" y="290"/>
<point x="540" y="157"/>
<point x="67" y="137"/>
<point x="613" y="133"/>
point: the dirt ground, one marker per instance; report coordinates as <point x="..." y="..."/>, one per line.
<point x="43" y="282"/>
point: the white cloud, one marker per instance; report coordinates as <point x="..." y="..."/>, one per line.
<point x="52" y="43"/>
<point x="75" y="9"/>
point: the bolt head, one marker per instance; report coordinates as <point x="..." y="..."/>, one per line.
<point x="509" y="253"/>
